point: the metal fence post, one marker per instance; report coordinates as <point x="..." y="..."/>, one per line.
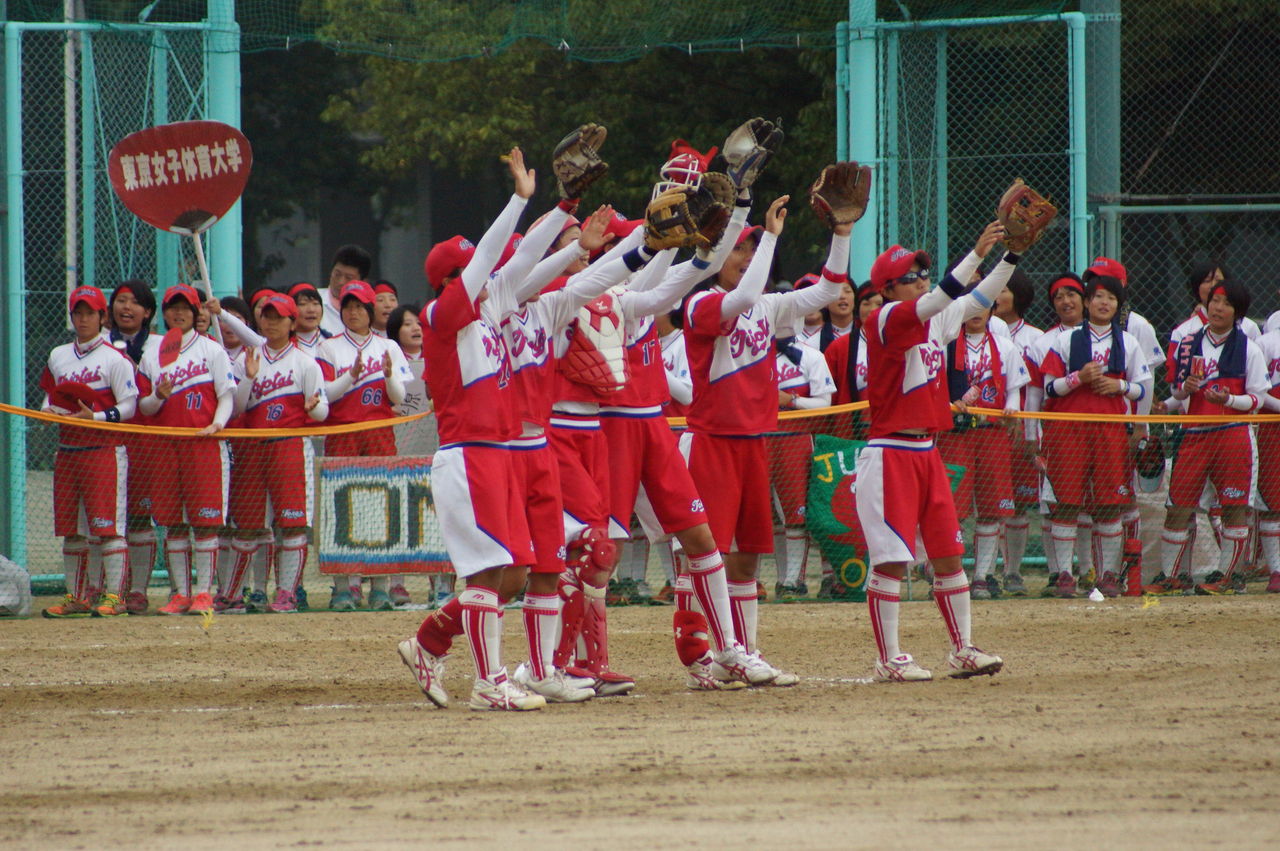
<point x="861" y="121"/>
<point x="1079" y="142"/>
<point x="15" y="301"/>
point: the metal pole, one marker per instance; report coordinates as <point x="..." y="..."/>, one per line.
<point x="1103" y="18"/>
<point x="166" y="273"/>
<point x="892" y="165"/>
<point x="15" y="301"/>
<point x="70" y="140"/>
<point x="89" y="160"/>
<point x="842" y="91"/>
<point x="862" y="141"/>
<point x="222" y="90"/>
<point x="940" y="146"/>
<point x="1079" y="142"/>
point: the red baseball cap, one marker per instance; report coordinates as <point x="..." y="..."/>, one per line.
<point x="185" y="292"/>
<point x="895" y="263"/>
<point x="446" y="258"/>
<point x="1106" y="266"/>
<point x="359" y="289"/>
<point x="282" y="304"/>
<point x="509" y="251"/>
<point x="749" y="231"/>
<point x="91" y="296"/>
<point x="259" y="295"/>
<point x="807" y="280"/>
<point x="294" y="291"/>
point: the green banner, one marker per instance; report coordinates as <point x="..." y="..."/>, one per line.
<point x="832" y="512"/>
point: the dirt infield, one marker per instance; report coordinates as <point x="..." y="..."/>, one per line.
<point x="1113" y="725"/>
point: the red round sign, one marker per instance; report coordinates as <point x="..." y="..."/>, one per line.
<point x="181" y="177"/>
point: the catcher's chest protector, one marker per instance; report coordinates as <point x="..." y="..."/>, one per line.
<point x="596" y="357"/>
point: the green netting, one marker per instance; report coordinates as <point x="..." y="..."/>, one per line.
<point x="442" y="30"/>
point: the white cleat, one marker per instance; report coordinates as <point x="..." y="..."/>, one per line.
<point x="901" y="669"/>
<point x="427" y="669"/>
<point x="735" y="663"/>
<point x="503" y="695"/>
<point x="972" y="662"/>
<point x="556" y="687"/>
<point x="780" y="678"/>
<point x="698" y="677"/>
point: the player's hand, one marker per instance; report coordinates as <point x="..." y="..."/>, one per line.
<point x="85" y="412"/>
<point x="960" y="406"/>
<point x="213" y="306"/>
<point x="593" y="236"/>
<point x="211" y="428"/>
<point x="164" y="389"/>
<point x="1215" y="396"/>
<point x="310" y="404"/>
<point x="386" y="365"/>
<point x="251" y="362"/>
<point x="1090" y="372"/>
<point x="777" y="215"/>
<point x="990" y="235"/>
<point x="526" y="179"/>
<point x="1193" y="383"/>
<point x="1159" y="407"/>
<point x="1104" y="386"/>
<point x="357" y="366"/>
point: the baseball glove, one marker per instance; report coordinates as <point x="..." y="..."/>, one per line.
<point x="1025" y="214"/>
<point x="576" y="160"/>
<point x="684" y="217"/>
<point x="747" y="150"/>
<point x="839" y="195"/>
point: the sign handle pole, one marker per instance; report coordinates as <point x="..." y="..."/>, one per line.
<point x="204" y="279"/>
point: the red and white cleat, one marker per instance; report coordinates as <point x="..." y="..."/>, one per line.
<point x="501" y="694"/>
<point x="972" y="662"/>
<point x="901" y="669"/>
<point x="427" y="670"/>
<point x="735" y="663"/>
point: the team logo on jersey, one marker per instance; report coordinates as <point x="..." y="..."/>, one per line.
<point x="988" y="394"/>
<point x="102" y="523"/>
<point x="923" y="363"/>
<point x="1006" y="504"/>
<point x="265" y="386"/>
<point x="536" y="344"/>
<point x="1123" y="490"/>
<point x="209" y="513"/>
<point x="959" y="537"/>
<point x="186" y="372"/>
<point x="696" y="506"/>
<point x="292" y="514"/>
<point x="84" y="375"/>
<point x="755" y="341"/>
<point x="495" y="350"/>
<point x="1232" y="493"/>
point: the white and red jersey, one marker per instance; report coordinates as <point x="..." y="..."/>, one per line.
<point x="1272" y="323"/>
<point x="906" y="388"/>
<point x="675" y="362"/>
<point x="105" y="370"/>
<point x="735" y="378"/>
<point x="200" y="374"/>
<point x="1034" y="355"/>
<point x="1226" y="369"/>
<point x="810" y="335"/>
<point x="366" y="399"/>
<point x="1199" y="319"/>
<point x="647" y="381"/>
<point x="286" y="381"/>
<point x="151" y="344"/>
<point x="310" y="343"/>
<point x="810" y="378"/>
<point x="1269" y="345"/>
<point x="993" y="370"/>
<point x="1057" y="363"/>
<point x="530" y="337"/>
<point x="468" y="370"/>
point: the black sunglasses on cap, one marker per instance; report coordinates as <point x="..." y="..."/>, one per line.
<point x="912" y="277"/>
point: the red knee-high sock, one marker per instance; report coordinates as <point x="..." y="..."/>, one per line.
<point x="441" y="627"/>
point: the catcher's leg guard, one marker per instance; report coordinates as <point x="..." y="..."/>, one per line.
<point x="571" y="615"/>
<point x="691" y="636"/>
<point x="595" y="637"/>
<point x="599" y="557"/>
